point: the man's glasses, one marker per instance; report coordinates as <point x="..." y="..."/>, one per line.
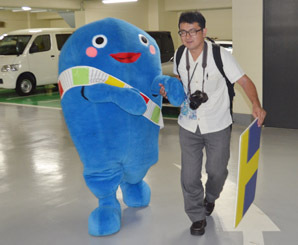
<point x="191" y="32"/>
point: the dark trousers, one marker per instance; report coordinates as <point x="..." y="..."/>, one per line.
<point x="217" y="146"/>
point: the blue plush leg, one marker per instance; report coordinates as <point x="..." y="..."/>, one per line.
<point x="106" y="219"/>
<point x="136" y="195"/>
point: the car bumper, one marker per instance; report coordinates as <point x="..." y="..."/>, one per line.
<point x="7" y="80"/>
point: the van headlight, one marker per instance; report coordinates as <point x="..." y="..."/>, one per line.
<point x="12" y="67"/>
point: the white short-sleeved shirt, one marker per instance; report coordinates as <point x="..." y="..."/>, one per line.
<point x="214" y="115"/>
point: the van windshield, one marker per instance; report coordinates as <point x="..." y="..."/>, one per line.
<point x="13" y="44"/>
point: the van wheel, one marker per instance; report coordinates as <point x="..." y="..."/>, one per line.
<point x="25" y="85"/>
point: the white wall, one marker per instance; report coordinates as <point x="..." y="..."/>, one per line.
<point x="242" y="23"/>
<point x="135" y="12"/>
<point x="153" y="15"/>
<point x="22" y="20"/>
<point x="146" y="14"/>
<point x="247" y="47"/>
<point x="13" y="22"/>
<point x="182" y="5"/>
<point x="56" y="4"/>
<point x="51" y="19"/>
<point x="168" y="21"/>
<point x="219" y="23"/>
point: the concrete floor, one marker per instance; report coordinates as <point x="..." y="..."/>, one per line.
<point x="44" y="199"/>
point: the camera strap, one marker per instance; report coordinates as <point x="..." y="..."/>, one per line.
<point x="204" y="64"/>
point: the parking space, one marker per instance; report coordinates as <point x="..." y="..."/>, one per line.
<point x="46" y="96"/>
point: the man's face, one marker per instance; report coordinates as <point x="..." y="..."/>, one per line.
<point x="192" y="35"/>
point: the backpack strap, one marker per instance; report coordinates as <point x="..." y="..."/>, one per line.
<point x="218" y="62"/>
<point x="178" y="56"/>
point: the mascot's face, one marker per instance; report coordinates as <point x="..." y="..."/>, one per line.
<point x="117" y="48"/>
<point x="100" y="41"/>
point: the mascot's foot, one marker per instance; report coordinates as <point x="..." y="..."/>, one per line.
<point x="136" y="195"/>
<point x="105" y="220"/>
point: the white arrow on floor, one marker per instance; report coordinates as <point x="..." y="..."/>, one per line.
<point x="252" y="225"/>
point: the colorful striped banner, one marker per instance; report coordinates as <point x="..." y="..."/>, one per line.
<point x="85" y="75"/>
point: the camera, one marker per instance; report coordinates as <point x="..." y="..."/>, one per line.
<point x="196" y="99"/>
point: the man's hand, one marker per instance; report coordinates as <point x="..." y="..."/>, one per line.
<point x="162" y="91"/>
<point x="170" y="88"/>
<point x="260" y="113"/>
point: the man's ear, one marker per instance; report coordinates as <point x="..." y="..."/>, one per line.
<point x="205" y="32"/>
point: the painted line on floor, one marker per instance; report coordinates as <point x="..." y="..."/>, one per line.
<point x="27" y="96"/>
<point x="49" y="101"/>
<point x="26" y="105"/>
<point x="252" y="225"/>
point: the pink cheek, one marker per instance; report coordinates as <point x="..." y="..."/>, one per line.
<point x="91" y="52"/>
<point x="152" y="49"/>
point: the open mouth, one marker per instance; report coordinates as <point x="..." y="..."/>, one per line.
<point x="126" y="57"/>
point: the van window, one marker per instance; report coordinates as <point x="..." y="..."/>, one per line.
<point x="165" y="44"/>
<point x="40" y="44"/>
<point x="13" y="44"/>
<point x="61" y="39"/>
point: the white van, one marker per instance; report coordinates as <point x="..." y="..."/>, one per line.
<point x="29" y="58"/>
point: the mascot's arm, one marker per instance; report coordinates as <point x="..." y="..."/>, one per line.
<point x="173" y="87"/>
<point x="128" y="99"/>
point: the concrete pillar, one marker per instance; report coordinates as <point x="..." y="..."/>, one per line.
<point x="247" y="47"/>
<point x="153" y="15"/>
<point x="80" y="19"/>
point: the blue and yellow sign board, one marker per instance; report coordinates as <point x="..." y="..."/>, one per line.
<point x="247" y="169"/>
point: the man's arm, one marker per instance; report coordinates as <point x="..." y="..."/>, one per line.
<point x="162" y="88"/>
<point x="251" y="92"/>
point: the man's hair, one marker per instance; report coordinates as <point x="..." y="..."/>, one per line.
<point x="191" y="17"/>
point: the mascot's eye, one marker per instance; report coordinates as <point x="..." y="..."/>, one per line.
<point x="143" y="40"/>
<point x="99" y="41"/>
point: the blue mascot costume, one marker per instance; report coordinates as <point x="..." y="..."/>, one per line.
<point x="109" y="72"/>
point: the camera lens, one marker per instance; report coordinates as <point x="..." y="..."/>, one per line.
<point x="204" y="97"/>
<point x="196" y="99"/>
<point x="194" y="105"/>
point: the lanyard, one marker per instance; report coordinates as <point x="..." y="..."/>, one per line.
<point x="204" y="64"/>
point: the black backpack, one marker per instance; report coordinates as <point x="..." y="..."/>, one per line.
<point x="218" y="62"/>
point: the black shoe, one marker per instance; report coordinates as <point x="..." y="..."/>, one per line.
<point x="198" y="227"/>
<point x="209" y="206"/>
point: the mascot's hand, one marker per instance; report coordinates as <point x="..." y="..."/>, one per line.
<point x="173" y="87"/>
<point x="128" y="99"/>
